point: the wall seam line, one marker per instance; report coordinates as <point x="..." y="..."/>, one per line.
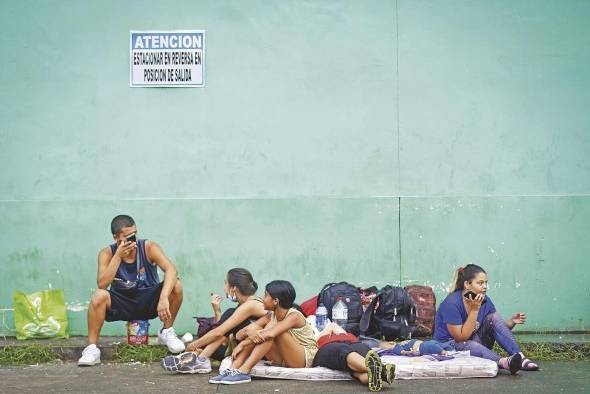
<point x="399" y="179"/>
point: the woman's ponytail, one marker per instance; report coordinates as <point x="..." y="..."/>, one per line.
<point x="456" y="282"/>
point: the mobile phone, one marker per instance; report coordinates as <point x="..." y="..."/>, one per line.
<point x="471" y="295"/>
<point x="131" y="238"/>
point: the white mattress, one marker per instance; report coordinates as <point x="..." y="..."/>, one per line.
<point x="261" y="370"/>
<point x="462" y="366"/>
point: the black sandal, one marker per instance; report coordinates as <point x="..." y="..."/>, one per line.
<point x="529" y="365"/>
<point x="514" y="363"/>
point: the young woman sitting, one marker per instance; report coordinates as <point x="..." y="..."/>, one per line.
<point x="468" y="320"/>
<point x="284" y="337"/>
<point x="239" y="287"/>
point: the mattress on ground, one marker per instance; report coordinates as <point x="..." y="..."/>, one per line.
<point x="462" y="366"/>
<point x="423" y="367"/>
<point x="261" y="370"/>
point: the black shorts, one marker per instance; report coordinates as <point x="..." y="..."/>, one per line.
<point x="134" y="304"/>
<point x="219" y="354"/>
<point x="333" y="355"/>
<point x="227" y="314"/>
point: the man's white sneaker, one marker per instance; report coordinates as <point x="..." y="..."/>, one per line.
<point x="168" y="337"/>
<point x="90" y="356"/>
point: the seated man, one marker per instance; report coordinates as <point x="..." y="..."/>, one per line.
<point x="130" y="267"/>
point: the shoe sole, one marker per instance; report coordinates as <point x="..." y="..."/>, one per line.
<point x="196" y="371"/>
<point x="89" y="364"/>
<point x="171" y="368"/>
<point x="177" y="367"/>
<point x="529" y="369"/>
<point x="515" y="363"/>
<point x="389" y="373"/>
<point x="374" y="365"/>
<point x="237" y="382"/>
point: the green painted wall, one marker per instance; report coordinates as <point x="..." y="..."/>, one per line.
<point x="375" y="142"/>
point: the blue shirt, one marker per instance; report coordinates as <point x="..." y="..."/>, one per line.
<point x="452" y="311"/>
<point x="141" y="270"/>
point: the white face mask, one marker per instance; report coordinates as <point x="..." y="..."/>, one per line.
<point x="233" y="298"/>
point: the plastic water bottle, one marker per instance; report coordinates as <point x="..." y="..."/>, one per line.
<point x="321" y="315"/>
<point x="340" y="313"/>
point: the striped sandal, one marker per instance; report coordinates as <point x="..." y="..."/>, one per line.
<point x="374" y="366"/>
<point x="528" y="364"/>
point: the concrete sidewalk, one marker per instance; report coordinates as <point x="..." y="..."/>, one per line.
<point x="554" y="377"/>
<point x="70" y="349"/>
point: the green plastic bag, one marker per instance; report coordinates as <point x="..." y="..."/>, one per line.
<point x="40" y="315"/>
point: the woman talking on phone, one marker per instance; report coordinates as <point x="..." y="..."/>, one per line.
<point x="467" y="318"/>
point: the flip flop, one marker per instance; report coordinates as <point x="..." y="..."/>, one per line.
<point x="374" y="366"/>
<point x="529" y="365"/>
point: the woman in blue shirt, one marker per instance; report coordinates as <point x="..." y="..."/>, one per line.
<point x="468" y="320"/>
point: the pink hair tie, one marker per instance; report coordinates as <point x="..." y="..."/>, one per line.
<point x="461" y="270"/>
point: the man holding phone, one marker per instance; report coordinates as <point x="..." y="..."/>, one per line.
<point x="130" y="267"/>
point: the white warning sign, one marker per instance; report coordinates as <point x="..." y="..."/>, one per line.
<point x="167" y="58"/>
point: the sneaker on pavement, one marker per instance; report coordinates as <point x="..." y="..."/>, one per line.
<point x="374" y="366"/>
<point x="388" y="373"/>
<point x="90" y="356"/>
<point x="168" y="337"/>
<point x="217" y="379"/>
<point x="235" y="377"/>
<point x="187" y="362"/>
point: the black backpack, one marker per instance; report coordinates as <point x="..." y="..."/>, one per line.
<point x="390" y="316"/>
<point x="351" y="297"/>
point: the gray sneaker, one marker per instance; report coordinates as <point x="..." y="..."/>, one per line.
<point x="187" y="362"/>
<point x="235" y="377"/>
<point x="217" y="379"/>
